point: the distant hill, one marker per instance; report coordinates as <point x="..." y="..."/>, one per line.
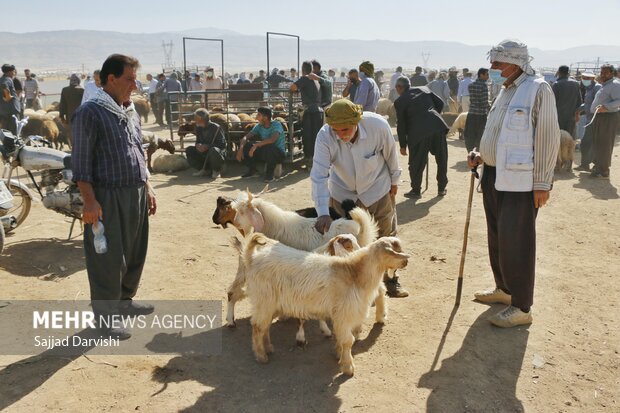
<point x="74" y="49"/>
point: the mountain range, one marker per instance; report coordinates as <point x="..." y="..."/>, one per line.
<point x="76" y="50"/>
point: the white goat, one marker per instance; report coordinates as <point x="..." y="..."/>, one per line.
<point x="339" y="246"/>
<point x="259" y="215"/>
<point x="289" y="282"/>
<point x="256" y="214"/>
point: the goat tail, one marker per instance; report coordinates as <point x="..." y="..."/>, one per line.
<point x="253" y="240"/>
<point x="369" y="230"/>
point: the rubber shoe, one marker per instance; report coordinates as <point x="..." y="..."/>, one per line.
<point x="583" y="168"/>
<point x="442" y="192"/>
<point x="131" y="307"/>
<point x="413" y="194"/>
<point x="394" y="289"/>
<point x="201" y="173"/>
<point x="598" y="175"/>
<point x="249" y="173"/>
<point x="215" y="174"/>
<point x="511" y="317"/>
<point x="496" y="296"/>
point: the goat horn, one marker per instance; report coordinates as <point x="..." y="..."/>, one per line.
<point x="250" y="196"/>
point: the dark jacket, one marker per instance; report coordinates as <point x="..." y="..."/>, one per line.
<point x="211" y="135"/>
<point x="326" y="89"/>
<point x="70" y="100"/>
<point x="567" y="101"/>
<point x="418" y="115"/>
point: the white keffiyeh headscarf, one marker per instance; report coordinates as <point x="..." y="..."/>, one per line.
<point x="126" y="114"/>
<point x="514" y="52"/>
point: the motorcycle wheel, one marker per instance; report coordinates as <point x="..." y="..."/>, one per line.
<point x="21" y="204"/>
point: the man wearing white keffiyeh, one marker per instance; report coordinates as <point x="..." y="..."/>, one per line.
<point x="519" y="148"/>
<point x="110" y="169"/>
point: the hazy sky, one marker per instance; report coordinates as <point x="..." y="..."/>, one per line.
<point x="542" y="24"/>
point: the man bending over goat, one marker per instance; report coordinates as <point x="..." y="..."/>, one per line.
<point x="356" y="157"/>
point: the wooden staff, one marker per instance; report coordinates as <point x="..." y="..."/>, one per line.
<point x="459" y="286"/>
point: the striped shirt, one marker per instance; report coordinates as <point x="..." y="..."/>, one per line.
<point x="103" y="152"/>
<point x="478" y="98"/>
<point x="546" y="132"/>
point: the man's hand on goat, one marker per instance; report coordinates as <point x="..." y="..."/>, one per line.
<point x="323" y="223"/>
<point x="91" y="213"/>
<point x="202" y="148"/>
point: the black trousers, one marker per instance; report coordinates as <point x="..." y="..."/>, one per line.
<point x="155" y="108"/>
<point x="418" y="155"/>
<point x="7" y="122"/>
<point x="213" y="159"/>
<point x="474" y="128"/>
<point x="586" y="147"/>
<point x="603" y="138"/>
<point x="511" y="232"/>
<point x="115" y="275"/>
<point x="270" y="154"/>
<point x="312" y="122"/>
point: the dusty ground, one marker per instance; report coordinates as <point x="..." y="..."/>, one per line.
<point x="428" y="357"/>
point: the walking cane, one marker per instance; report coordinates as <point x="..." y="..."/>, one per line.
<point x="459" y="286"/>
<point x="426" y="189"/>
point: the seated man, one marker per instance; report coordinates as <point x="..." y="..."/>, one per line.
<point x="209" y="154"/>
<point x="265" y="142"/>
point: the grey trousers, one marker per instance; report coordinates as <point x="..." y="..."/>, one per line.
<point x="115" y="275"/>
<point x="604" y="136"/>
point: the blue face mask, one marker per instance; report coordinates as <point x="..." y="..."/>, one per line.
<point x="496" y="76"/>
<point x="586" y="82"/>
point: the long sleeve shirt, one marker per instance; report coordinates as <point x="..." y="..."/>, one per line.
<point x="211" y="135"/>
<point x="478" y="98"/>
<point x="608" y="96"/>
<point x="104" y="153"/>
<point x="394" y="78"/>
<point x="441" y="89"/>
<point x="367" y="94"/>
<point x="464" y="87"/>
<point x="90" y="90"/>
<point x="31" y="88"/>
<point x="362" y="170"/>
<point x="546" y="132"/>
<point x="591" y="91"/>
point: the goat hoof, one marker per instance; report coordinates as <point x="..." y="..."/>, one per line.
<point x="381" y="320"/>
<point x="231" y="324"/>
<point x="347" y="369"/>
<point x="301" y="343"/>
<point x="263" y="359"/>
<point x="269" y="349"/>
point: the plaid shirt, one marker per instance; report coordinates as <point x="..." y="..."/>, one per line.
<point x="103" y="152"/>
<point x="478" y="98"/>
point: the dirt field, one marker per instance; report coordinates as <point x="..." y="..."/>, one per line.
<point x="428" y="356"/>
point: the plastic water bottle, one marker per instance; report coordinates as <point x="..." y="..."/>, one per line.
<point x="101" y="244"/>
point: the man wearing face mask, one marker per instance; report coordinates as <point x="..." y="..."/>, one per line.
<point x="356" y="157"/>
<point x="519" y="149"/>
<point x="606" y="105"/>
<point x="588" y="80"/>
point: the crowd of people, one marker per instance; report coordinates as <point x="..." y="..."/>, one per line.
<point x="513" y="126"/>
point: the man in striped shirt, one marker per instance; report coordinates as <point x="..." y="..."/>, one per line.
<point x="519" y="149"/>
<point x="478" y="110"/>
<point x="110" y="170"/>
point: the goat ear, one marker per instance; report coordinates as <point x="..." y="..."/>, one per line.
<point x="256" y="220"/>
<point x="250" y="196"/>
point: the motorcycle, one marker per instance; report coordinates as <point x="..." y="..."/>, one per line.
<point x="55" y="187"/>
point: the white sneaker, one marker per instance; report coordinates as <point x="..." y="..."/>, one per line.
<point x="215" y="174"/>
<point x="511" y="317"/>
<point x="495" y="296"/>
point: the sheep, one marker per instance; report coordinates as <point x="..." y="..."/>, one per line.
<point x="566" y="154"/>
<point x="459" y="124"/>
<point x="54" y="106"/>
<point x="142" y="106"/>
<point x="385" y="108"/>
<point x="289" y="282"/>
<point x="154" y="143"/>
<point x="255" y="214"/>
<point x="170" y="163"/>
<point x="44" y="127"/>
